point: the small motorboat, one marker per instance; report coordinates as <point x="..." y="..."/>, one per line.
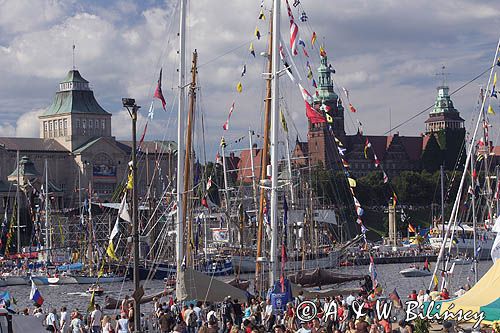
<point x="346" y="263"/>
<point x="62" y="279"/>
<point x="414" y="272"/>
<point x="462" y="261"/>
<point x="96" y="290"/>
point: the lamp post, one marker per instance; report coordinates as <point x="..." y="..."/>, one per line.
<point x="132" y="108"/>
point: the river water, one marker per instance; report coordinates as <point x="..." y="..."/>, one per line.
<point x="75" y="296"/>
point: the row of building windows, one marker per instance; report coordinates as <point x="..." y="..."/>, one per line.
<point x="77" y="85"/>
<point x="54" y="128"/>
<point x="435" y="126"/>
<point x="90" y="124"/>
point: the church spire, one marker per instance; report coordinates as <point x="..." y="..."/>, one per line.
<point x="325" y="85"/>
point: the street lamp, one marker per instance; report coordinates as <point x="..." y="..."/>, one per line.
<point x="132" y="108"/>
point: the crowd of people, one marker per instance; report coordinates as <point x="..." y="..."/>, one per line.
<point x="257" y="315"/>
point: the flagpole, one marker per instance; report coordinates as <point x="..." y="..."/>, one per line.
<point x="18" y="206"/>
<point x="47" y="223"/>
<point x="180" y="292"/>
<point x="263" y="168"/>
<point x="274" y="141"/>
<point x="474" y="263"/>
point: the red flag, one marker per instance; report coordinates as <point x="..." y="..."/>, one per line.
<point x="294" y="30"/>
<point x="226" y="124"/>
<point x="158" y="93"/>
<point x="351" y="108"/>
<point x="314" y="116"/>
<point x="143" y="135"/>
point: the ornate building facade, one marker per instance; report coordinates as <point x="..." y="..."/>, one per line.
<point x="77" y="144"/>
<point x="395" y="152"/>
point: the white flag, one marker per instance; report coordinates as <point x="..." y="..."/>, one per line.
<point x="122" y="213"/>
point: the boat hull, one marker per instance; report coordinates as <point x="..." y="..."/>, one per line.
<point x="165" y="271"/>
<point x="62" y="280"/>
<point x="413" y="272"/>
<point x="39" y="280"/>
<point x="246" y="264"/>
<point x="14" y="280"/>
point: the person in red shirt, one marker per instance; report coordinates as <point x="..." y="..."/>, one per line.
<point x="444" y="294"/>
<point x="413" y="295"/>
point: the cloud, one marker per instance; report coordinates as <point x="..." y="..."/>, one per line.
<point x="385" y="52"/>
<point x="26" y="126"/>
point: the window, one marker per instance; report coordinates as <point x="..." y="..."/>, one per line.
<point x="103" y="124"/>
<point x="51" y="126"/>
<point x="45" y="126"/>
<point x="84" y="124"/>
<point x="65" y="123"/>
<point x="91" y="124"/>
<point x="78" y="123"/>
<point x="96" y="124"/>
<point x="60" y="127"/>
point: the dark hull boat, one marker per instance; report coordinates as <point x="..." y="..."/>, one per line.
<point x="321" y="277"/>
<point x="163" y="271"/>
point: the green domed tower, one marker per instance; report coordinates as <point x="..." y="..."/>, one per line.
<point x="321" y="144"/>
<point x="75" y="116"/>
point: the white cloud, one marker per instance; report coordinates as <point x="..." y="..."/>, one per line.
<point x="27" y="124"/>
<point x="7" y="129"/>
<point x="385" y="52"/>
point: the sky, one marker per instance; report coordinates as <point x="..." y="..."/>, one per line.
<point x="385" y="52"/>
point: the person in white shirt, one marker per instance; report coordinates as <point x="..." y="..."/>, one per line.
<point x="95" y="319"/>
<point x="39" y="314"/>
<point x="51" y="321"/>
<point x="427" y="296"/>
<point x="65" y="320"/>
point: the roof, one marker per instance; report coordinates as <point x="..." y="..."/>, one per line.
<point x="28" y="169"/>
<point x="381" y="143"/>
<point x="86" y="145"/>
<point x="4" y="187"/>
<point x="303" y="146"/>
<point x="32" y="144"/>
<point x="74" y="76"/>
<point x="413" y="146"/>
<point x="444" y="116"/>
<point x="74" y="101"/>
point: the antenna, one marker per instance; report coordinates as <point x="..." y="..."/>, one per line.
<point x="74" y="67"/>
<point x="443" y="74"/>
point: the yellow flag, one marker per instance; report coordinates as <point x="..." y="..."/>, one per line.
<point x="283" y="121"/>
<point x="257" y="33"/>
<point x="490" y="110"/>
<point x="130" y="181"/>
<point x="261" y="15"/>
<point x="92" y="302"/>
<point x="495" y="79"/>
<point x="436" y="281"/>
<point x="110" y="251"/>
<point x="329" y="119"/>
<point x="239" y="87"/>
<point x="352" y="182"/>
<point x="222" y="142"/>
